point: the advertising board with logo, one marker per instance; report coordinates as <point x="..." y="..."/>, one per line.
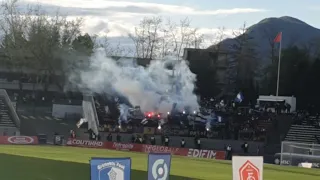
<point x="247" y="167"/>
<point x="164" y="149"/>
<point x="208" y="154"/>
<point x="159" y="166"/>
<point x="123" y="146"/>
<point x="85" y="143"/>
<point x="110" y="169"/>
<point x="19" y="140"/>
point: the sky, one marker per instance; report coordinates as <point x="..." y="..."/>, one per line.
<point x="119" y="17"/>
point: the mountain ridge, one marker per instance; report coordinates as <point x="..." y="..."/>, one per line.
<point x="294" y="32"/>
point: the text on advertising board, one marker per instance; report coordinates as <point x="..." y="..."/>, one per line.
<point x="199" y="153"/>
<point x="85" y="143"/>
<point x="20" y="140"/>
<point x="23" y="140"/>
<point x="122" y="146"/>
<point x="159" y="149"/>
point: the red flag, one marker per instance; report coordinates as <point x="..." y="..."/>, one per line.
<point x="278" y="38"/>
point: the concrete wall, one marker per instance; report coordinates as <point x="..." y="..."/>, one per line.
<point x="9" y="131"/>
<point x="206" y="143"/>
<point x="61" y="110"/>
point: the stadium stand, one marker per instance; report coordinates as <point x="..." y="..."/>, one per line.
<point x="9" y="120"/>
<point x="5" y="117"/>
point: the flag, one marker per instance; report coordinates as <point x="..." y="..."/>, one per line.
<point x="159" y="166"/>
<point x="81" y="121"/>
<point x="239" y="97"/>
<point x="278" y="38"/>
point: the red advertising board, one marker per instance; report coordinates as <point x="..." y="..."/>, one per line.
<point x="123" y="146"/>
<point x="146" y="148"/>
<point x="19" y="140"/>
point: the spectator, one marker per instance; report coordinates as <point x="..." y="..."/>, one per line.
<point x="152" y="140"/>
<point x="109" y="137"/>
<point x="229" y="152"/>
<point x="118" y="137"/>
<point x="166" y="141"/>
<point x="183" y="143"/>
<point x="245" y="147"/>
<point x="133" y="138"/>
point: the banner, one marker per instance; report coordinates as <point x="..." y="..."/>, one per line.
<point x="159" y="166"/>
<point x="148" y="130"/>
<point x="110" y="168"/>
<point x="19" y="140"/>
<point x="201" y="134"/>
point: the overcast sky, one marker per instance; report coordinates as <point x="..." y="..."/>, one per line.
<point x="120" y="16"/>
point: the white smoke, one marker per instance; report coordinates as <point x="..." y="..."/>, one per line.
<point x="152" y="88"/>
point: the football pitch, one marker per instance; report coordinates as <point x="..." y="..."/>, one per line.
<point x="65" y="163"/>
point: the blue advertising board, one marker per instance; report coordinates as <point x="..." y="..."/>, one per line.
<point x="159" y="166"/>
<point x="110" y="168"/>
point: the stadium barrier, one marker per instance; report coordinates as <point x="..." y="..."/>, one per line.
<point x="147" y="148"/>
<point x="19" y="140"/>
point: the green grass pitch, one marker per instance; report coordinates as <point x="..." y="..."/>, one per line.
<point x="68" y="163"/>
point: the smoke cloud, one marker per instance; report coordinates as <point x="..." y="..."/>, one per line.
<point x="153" y="88"/>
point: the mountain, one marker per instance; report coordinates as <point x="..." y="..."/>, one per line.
<point x="294" y="32"/>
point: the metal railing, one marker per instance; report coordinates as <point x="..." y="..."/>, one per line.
<point x="13" y="112"/>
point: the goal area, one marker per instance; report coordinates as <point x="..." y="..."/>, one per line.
<point x="295" y="153"/>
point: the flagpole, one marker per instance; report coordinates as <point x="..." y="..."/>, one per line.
<point x="279" y="63"/>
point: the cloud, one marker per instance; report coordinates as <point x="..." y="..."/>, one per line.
<point x="105" y="7"/>
<point x="117" y="18"/>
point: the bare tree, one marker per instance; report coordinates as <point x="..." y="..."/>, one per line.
<point x="182" y="36"/>
<point x="113" y="50"/>
<point x="146" y="37"/>
<point x="155" y="39"/>
<point x="38" y="42"/>
<point x="245" y="57"/>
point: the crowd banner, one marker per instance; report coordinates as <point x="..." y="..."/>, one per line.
<point x="148" y="130"/>
<point x="110" y="168"/>
<point x="19" y="140"/>
<point x="159" y="166"/>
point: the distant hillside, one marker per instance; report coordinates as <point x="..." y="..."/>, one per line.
<point x="295" y="32"/>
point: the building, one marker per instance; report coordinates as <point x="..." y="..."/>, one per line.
<point x="221" y="61"/>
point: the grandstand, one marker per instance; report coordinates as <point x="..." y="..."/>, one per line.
<point x="303" y="133"/>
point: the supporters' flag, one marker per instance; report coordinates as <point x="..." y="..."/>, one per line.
<point x="81" y="121"/>
<point x="278" y="38"/>
<point x="239" y="97"/>
<point x="110" y="168"/>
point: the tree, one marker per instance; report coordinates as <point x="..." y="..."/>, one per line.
<point x="246" y="63"/>
<point x="84" y="44"/>
<point x="38" y="42"/>
<point x="12" y="25"/>
<point x="146" y="38"/>
<point x="155" y="39"/>
<point x="181" y="36"/>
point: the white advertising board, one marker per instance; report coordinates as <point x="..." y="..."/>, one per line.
<point x="247" y="167"/>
